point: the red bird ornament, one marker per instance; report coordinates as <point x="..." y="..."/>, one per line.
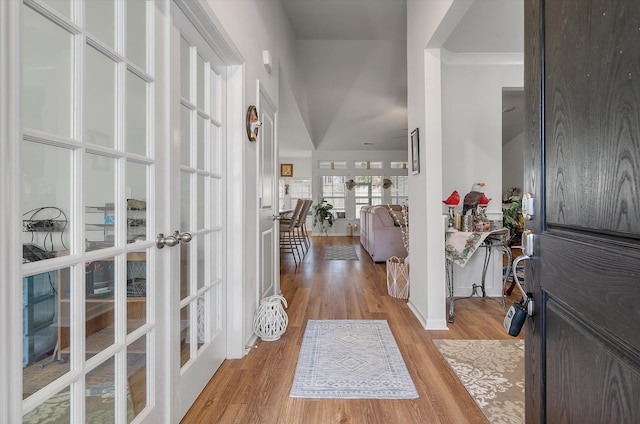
<point x="484" y="201"/>
<point x="453" y="199"/>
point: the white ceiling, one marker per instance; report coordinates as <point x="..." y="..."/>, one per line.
<point x="351" y="56"/>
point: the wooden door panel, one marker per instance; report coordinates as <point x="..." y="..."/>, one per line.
<point x="588" y="380"/>
<point x="592" y="124"/>
<point x="603" y="296"/>
<point x="582" y="155"/>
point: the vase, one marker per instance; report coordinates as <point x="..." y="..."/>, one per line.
<point x="271" y="320"/>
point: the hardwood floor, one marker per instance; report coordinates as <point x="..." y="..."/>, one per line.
<point x="256" y="389"/>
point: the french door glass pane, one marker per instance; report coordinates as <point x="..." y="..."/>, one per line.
<point x="185" y="136"/>
<point x="214" y="95"/>
<point x="136" y="108"/>
<point x="100" y="104"/>
<point x="201" y="202"/>
<point x="101" y="216"/>
<point x="136" y="177"/>
<point x="99" y="307"/>
<point x="137" y="376"/>
<point x="200" y="92"/>
<point x="185" y="326"/>
<point x="47" y="61"/>
<point x="216" y="256"/>
<point x="100" y="393"/>
<point x="201" y="278"/>
<point x="201" y="143"/>
<point x="62" y="6"/>
<point x="42" y="299"/>
<point x="100" y="16"/>
<point x="46" y="195"/>
<point x="185" y="201"/>
<point x="214" y="145"/>
<point x="185" y="70"/>
<point x="201" y="321"/>
<point x="185" y="269"/>
<point x="137" y="32"/>
<point x="136" y="290"/>
<point x="60" y="403"/>
<point x="216" y="204"/>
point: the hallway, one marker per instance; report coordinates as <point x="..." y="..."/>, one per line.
<point x="256" y="389"/>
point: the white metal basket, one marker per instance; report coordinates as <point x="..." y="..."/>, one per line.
<point x="397" y="278"/>
<point x="271" y="320"/>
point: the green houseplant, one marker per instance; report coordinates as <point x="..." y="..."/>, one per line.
<point x="322" y="214"/>
<point x="512" y="216"/>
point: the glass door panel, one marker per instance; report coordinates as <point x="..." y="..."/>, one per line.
<point x="137" y="33"/>
<point x="100" y="105"/>
<point x="101" y="215"/>
<point x="100" y="18"/>
<point x="47" y="63"/>
<point x="136" y="106"/>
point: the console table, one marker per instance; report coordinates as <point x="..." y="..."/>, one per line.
<point x="460" y="246"/>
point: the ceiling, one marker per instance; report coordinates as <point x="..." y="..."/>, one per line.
<point x="351" y="57"/>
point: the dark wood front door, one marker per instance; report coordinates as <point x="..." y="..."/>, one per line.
<point x="582" y="83"/>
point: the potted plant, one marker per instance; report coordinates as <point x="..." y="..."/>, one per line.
<point x="350" y="184"/>
<point x="386" y="183"/>
<point x="322" y="214"/>
<point x="512" y="216"/>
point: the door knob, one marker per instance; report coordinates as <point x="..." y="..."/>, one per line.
<point x="162" y="241"/>
<point x="182" y="238"/>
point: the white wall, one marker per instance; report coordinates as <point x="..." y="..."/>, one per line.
<point x="254" y="26"/>
<point x="472" y="127"/>
<point x="513" y="163"/>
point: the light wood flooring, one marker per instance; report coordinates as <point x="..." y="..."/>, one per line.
<point x="256" y="389"/>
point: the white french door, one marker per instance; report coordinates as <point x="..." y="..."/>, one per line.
<point x="90" y="291"/>
<point x="198" y="328"/>
<point x="124" y="111"/>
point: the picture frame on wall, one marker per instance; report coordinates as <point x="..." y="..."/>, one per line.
<point x="415" y="152"/>
<point x="286" y="170"/>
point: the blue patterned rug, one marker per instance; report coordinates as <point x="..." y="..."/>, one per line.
<point x="351" y="359"/>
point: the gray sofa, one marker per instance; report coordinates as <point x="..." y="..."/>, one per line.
<point x="379" y="235"/>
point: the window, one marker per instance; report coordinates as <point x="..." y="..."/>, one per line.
<point x="333" y="191"/>
<point x="366" y="164"/>
<point x="399" y="190"/>
<point x="298" y="189"/>
<point x="368" y="191"/>
<point x="329" y="164"/>
<point x="398" y="165"/>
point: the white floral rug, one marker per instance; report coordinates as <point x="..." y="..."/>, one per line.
<point x="492" y="371"/>
<point x="351" y="359"/>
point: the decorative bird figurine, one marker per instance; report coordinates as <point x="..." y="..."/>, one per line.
<point x="471" y="199"/>
<point x="453" y="199"/>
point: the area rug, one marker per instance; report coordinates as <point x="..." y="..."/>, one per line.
<point x="99" y="404"/>
<point x="351" y="359"/>
<point x="492" y="371"/>
<point x="341" y="253"/>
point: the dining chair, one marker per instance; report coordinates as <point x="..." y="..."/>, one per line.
<point x="288" y="242"/>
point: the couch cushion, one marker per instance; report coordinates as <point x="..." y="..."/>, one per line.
<point x="385" y="217"/>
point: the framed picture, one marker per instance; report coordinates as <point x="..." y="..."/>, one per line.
<point x="415" y="152"/>
<point x="286" y="170"/>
